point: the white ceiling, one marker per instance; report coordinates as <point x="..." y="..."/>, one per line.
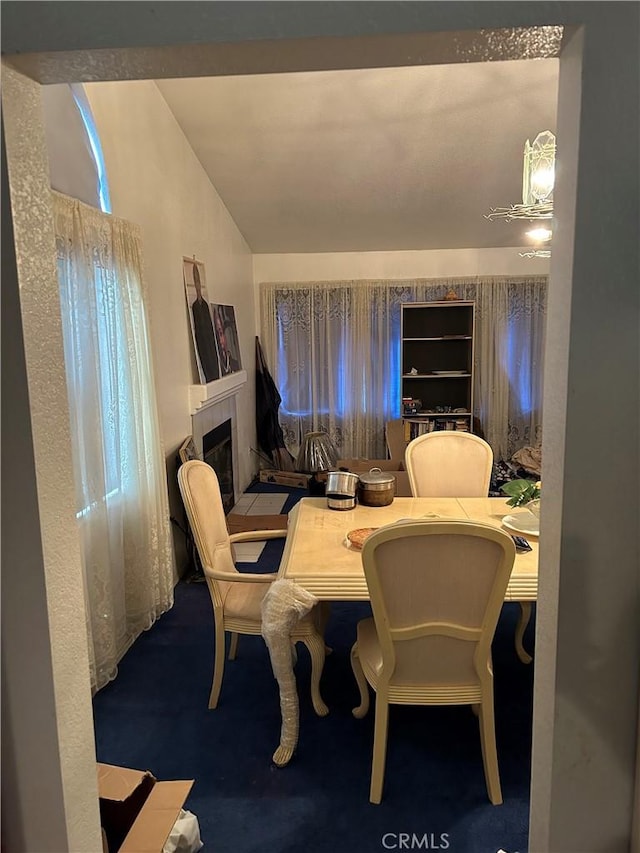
<point x="383" y="159"/>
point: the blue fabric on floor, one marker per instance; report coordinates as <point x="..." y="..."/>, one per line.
<point x="154" y="716"/>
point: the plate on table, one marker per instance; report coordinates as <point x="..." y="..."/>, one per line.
<point x="523" y="522"/>
<point x="356" y="538"/>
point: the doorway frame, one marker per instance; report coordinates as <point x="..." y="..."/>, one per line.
<point x="27" y="160"/>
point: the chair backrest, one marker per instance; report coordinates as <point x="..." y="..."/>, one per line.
<point x="200" y="492"/>
<point x="449" y="464"/>
<point x="436" y="591"/>
<point x="396" y="442"/>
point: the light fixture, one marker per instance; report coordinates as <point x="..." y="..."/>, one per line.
<point x="317" y="454"/>
<point x="540" y="234"/>
<point x="538" y="178"/>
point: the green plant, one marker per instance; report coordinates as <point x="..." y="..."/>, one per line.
<point x="521" y="491"/>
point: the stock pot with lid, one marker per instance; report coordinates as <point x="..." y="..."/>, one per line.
<point x="376" y="488"/>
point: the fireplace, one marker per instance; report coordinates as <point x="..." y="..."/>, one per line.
<point x="217" y="451"/>
<point x="213" y="406"/>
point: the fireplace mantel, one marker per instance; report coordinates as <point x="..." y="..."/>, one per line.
<point x="211" y="405"/>
<point x="203" y="396"/>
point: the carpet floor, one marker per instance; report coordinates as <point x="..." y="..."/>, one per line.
<point x="154" y="716"/>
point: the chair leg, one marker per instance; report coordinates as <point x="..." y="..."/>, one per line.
<point x="489" y="751"/>
<point x="218" y="665"/>
<point x="233" y="647"/>
<point x="315" y="644"/>
<point x="361" y="681"/>
<point x="521" y="627"/>
<point x="379" y="749"/>
<point x="323" y="610"/>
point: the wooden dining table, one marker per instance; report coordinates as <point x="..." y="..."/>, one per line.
<point x="318" y="558"/>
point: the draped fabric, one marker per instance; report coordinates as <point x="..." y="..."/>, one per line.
<point x="268" y="429"/>
<point x="120" y="477"/>
<point x="334" y="348"/>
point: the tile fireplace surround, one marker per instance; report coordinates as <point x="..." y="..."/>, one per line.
<point x="213" y="404"/>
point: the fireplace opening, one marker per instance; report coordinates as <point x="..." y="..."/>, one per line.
<point x="217" y="452"/>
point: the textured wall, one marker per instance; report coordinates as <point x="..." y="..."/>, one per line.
<point x="157" y="181"/>
<point x="439" y="263"/>
<point x="45" y="678"/>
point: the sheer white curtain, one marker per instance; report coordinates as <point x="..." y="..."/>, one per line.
<point x="121" y="486"/>
<point x="334" y="358"/>
<point x="335" y="351"/>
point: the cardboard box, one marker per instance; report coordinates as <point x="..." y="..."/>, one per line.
<point x="292" y="479"/>
<point x="137" y="812"/>
<point x="359" y="466"/>
<point x="249" y="523"/>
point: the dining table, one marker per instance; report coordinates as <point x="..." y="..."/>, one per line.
<point x="318" y="557"/>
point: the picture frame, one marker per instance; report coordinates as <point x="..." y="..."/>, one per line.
<point x="187" y="450"/>
<point x="201" y="320"/>
<point x="226" y="334"/>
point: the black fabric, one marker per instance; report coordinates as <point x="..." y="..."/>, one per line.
<point x="205" y="340"/>
<point x="268" y="429"/>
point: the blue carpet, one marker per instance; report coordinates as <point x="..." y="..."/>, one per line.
<point x="154" y="716"/>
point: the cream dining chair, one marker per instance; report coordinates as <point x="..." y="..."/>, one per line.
<point x="237" y="596"/>
<point x="449" y="464"/>
<point x="436" y="590"/>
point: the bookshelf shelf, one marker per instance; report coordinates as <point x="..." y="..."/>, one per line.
<point x="437" y="340"/>
<point x="434" y="376"/>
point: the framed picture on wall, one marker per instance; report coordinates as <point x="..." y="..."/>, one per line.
<point x="226" y="332"/>
<point x="204" y="339"/>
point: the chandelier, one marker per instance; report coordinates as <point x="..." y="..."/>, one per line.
<point x="538" y="177"/>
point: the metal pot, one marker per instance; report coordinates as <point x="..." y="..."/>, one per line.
<point x="342" y="487"/>
<point x="340" y="502"/>
<point x="376" y="488"/>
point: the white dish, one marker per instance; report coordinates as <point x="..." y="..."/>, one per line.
<point x="449" y="372"/>
<point x="524" y="522"/>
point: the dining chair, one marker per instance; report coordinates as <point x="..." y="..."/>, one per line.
<point x="436" y="589"/>
<point x="449" y="464"/>
<point x="237" y="596"/>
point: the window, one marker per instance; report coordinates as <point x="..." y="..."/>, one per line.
<point x="84" y="109"/>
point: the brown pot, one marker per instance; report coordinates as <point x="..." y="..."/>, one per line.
<point x="376" y="488"/>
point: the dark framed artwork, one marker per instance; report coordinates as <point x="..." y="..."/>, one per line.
<point x="204" y="339"/>
<point x="226" y="332"/>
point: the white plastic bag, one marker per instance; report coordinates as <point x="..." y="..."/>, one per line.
<point x="185" y="835"/>
<point x="284" y="604"/>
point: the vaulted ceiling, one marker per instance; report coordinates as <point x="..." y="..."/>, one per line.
<point x="383" y="159"/>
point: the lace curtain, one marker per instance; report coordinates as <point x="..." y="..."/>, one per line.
<point x="334" y="348"/>
<point x="121" y="488"/>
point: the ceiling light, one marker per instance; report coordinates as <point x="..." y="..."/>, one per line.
<point x="540" y="235"/>
<point x="538" y="178"/>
